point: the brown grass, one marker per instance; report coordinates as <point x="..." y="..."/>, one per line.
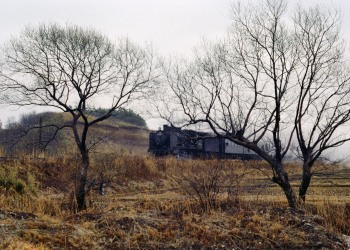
<point x="151" y="203"/>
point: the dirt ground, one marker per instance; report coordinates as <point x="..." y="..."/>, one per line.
<point x="168" y="220"/>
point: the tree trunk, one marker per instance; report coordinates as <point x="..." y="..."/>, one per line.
<point x="82" y="180"/>
<point x="281" y="178"/>
<point x="305" y="181"/>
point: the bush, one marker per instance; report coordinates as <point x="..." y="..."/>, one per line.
<point x="206" y="181"/>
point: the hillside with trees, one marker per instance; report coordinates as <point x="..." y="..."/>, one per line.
<point x="37" y="134"/>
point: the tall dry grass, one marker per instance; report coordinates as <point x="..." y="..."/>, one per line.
<point x="194" y="186"/>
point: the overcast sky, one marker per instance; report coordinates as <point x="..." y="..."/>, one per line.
<point x="172" y="26"/>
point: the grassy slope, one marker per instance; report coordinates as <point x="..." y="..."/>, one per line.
<point x="112" y="135"/>
<point x="115" y="135"/>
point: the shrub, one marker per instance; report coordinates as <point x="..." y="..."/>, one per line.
<point x="206" y="181"/>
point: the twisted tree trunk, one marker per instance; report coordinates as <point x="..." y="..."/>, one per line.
<point x="281" y="178"/>
<point x="305" y="180"/>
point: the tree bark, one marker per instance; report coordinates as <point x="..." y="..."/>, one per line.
<point x="305" y="181"/>
<point x="82" y="180"/>
<point x="281" y="178"/>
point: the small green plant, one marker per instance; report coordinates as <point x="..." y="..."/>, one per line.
<point x="11" y="181"/>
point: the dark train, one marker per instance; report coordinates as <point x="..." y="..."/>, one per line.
<point x="189" y="143"/>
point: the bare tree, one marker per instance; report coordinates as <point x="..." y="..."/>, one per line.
<point x="240" y="87"/>
<point x="323" y="87"/>
<point x="248" y="88"/>
<point x="72" y="69"/>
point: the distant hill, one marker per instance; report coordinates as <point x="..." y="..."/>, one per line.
<point x="124" y="130"/>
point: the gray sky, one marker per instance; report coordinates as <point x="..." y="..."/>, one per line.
<point x="172" y="26"/>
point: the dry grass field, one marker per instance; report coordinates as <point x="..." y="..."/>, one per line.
<point x="169" y="203"/>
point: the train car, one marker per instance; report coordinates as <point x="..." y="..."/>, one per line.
<point x="189" y="143"/>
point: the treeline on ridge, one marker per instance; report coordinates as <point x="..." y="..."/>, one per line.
<point x="122" y="115"/>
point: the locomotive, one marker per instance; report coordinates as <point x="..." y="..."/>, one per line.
<point x="192" y="144"/>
